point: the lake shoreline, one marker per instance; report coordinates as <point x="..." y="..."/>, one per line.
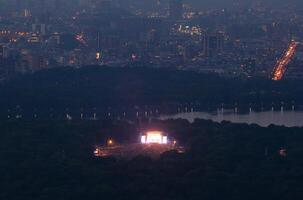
<point x="264" y="119"/>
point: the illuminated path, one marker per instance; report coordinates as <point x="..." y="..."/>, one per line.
<point x="282" y="63"/>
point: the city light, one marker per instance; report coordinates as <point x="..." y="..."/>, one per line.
<point x="282" y="63"/>
<point x="134" y="56"/>
<point x="98" y="56"/>
<point x="80" y="37"/>
<point x="96" y="152"/>
<point x="189" y="30"/>
<point x="110" y="142"/>
<point x="283" y="152"/>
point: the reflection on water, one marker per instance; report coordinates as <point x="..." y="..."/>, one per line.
<point x="286" y="118"/>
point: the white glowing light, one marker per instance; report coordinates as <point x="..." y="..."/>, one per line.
<point x="96" y="152"/>
<point x="143" y="139"/>
<point x="154" y="137"/>
<point x="98" y="55"/>
<point x="164" y="140"/>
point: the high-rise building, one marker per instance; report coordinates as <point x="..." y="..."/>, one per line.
<point x="3" y="51"/>
<point x="175" y="9"/>
<point x="39" y="29"/>
<point x="213" y="44"/>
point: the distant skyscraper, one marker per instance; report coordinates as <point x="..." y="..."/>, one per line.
<point x="39" y="29"/>
<point x="3" y="51"/>
<point x="213" y="44"/>
<point x="175" y="9"/>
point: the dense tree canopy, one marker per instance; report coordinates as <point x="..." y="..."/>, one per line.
<point x="104" y="87"/>
<point x="53" y="160"/>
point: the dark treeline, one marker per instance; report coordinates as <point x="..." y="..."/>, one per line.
<point x="103" y="87"/>
<point x="54" y="160"/>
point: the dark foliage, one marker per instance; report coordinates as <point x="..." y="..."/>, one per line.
<point x="53" y="160"/>
<point x="104" y="87"/>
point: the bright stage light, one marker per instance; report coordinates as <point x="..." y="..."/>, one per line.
<point x="154" y="137"/>
<point x="143" y="139"/>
